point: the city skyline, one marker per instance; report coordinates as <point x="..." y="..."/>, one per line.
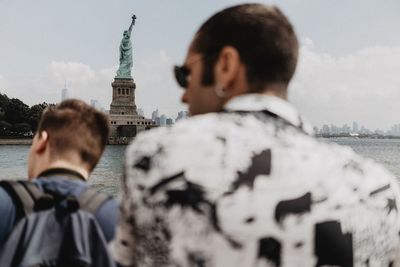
<point x="348" y="62"/>
<point x="355" y="128"/>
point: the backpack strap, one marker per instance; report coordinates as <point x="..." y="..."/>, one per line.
<point x="24" y="201"/>
<point x="27" y="197"/>
<point x="32" y="189"/>
<point x="90" y="200"/>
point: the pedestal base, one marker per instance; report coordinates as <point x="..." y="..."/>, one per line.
<point x="129" y="125"/>
<point x="123" y="101"/>
<point x="125" y="123"/>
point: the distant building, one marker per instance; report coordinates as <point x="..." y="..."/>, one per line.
<point x="345" y="129"/>
<point x="154" y="115"/>
<point x="140" y="112"/>
<point x="334" y="130"/>
<point x="355" y="127"/>
<point x="96" y="104"/>
<point x="364" y="130"/>
<point x="64" y="94"/>
<point x="163" y="120"/>
<point x="182" y="115"/>
<point x="325" y="130"/>
<point x="395" y="131"/>
<point x="355" y="130"/>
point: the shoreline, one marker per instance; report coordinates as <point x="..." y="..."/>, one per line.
<point x="15" y="141"/>
<point x="127" y="140"/>
<point x="28" y="141"/>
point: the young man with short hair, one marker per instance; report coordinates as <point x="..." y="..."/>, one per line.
<point x="243" y="182"/>
<point x="69" y="142"/>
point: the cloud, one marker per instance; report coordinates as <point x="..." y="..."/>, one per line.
<point x="76" y="73"/>
<point x="82" y="81"/>
<point x="2" y="82"/>
<point x="363" y="86"/>
<point x="155" y="86"/>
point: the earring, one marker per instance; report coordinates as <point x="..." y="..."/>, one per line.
<point x="220" y="92"/>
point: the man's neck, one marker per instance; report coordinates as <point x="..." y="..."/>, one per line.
<point x="278" y="90"/>
<point x="61" y="164"/>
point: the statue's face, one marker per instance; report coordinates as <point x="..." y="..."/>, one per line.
<point x="126" y="35"/>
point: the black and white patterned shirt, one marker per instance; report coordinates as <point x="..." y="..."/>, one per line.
<point x="250" y="187"/>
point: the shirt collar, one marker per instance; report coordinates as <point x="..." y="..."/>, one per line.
<point x="273" y="104"/>
<point x="62" y="172"/>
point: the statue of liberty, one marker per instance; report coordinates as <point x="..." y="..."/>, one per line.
<point x="125" y="53"/>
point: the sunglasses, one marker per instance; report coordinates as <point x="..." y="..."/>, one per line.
<point x="182" y="73"/>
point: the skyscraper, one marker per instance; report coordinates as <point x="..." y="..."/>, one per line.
<point x="163" y="120"/>
<point x="96" y="104"/>
<point x="355" y="127"/>
<point x="154" y="115"/>
<point x="64" y="94"/>
<point x="181" y="115"/>
<point x="140" y="112"/>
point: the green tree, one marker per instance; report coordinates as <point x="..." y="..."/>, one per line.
<point x="4" y="128"/>
<point x="17" y="118"/>
<point x="35" y="113"/>
<point x="21" y="129"/>
<point x="3" y="102"/>
<point x="16" y="111"/>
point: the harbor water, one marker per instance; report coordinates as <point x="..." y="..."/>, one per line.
<point x="107" y="174"/>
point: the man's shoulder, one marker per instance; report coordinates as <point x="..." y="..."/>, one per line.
<point x="226" y="135"/>
<point x="7" y="205"/>
<point x="4" y="193"/>
<point x="7" y="211"/>
<point x="196" y="132"/>
<point x="198" y="129"/>
<point x="6" y="202"/>
<point x="330" y="161"/>
<point x="192" y="124"/>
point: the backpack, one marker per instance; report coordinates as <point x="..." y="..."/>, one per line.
<point x="54" y="231"/>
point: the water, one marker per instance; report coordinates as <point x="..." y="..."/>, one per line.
<point x="384" y="151"/>
<point x="107" y="174"/>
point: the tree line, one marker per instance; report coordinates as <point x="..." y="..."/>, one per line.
<point x="17" y="119"/>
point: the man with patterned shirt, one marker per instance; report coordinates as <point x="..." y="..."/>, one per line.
<point x="243" y="182"/>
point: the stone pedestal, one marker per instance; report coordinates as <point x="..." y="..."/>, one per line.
<point x="123" y="101"/>
<point x="124" y="121"/>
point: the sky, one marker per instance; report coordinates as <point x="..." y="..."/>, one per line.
<point x="348" y="68"/>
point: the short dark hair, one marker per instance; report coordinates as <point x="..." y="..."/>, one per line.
<point x="263" y="37"/>
<point x="75" y="126"/>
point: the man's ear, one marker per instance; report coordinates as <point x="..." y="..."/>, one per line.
<point x="42" y="142"/>
<point x="227" y="67"/>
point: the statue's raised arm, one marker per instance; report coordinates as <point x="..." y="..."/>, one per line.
<point x="133" y="22"/>
<point x="125" y="52"/>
